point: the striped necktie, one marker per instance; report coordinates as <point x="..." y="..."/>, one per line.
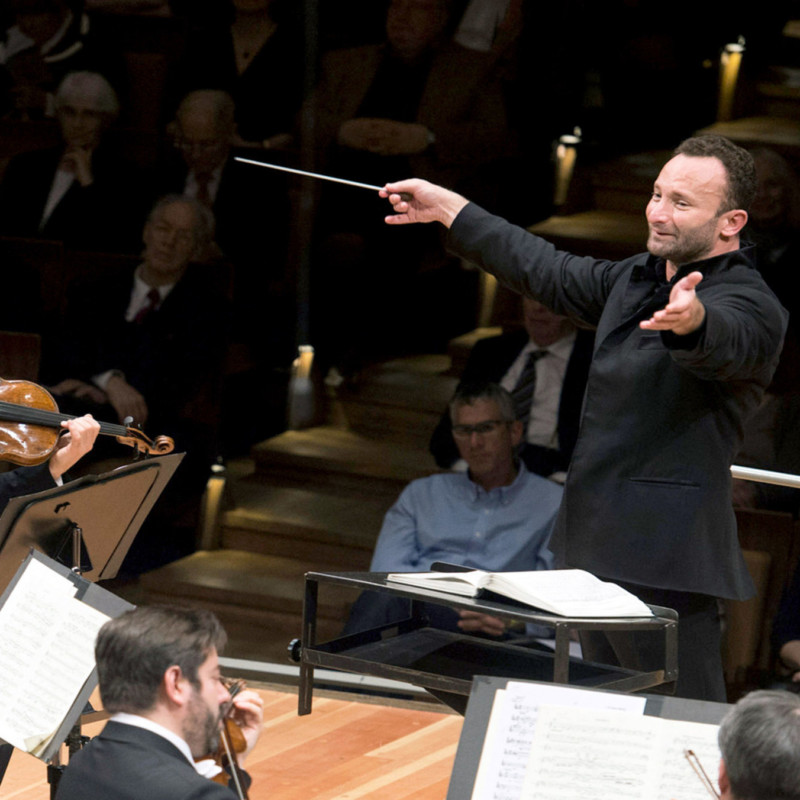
<point x="522" y="393"/>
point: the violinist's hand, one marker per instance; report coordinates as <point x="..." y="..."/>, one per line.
<point x="248" y="714"/>
<point x="474" y="622"/>
<point x="428" y="203"/>
<point x="384" y="137"/>
<point x="78" y="388"/>
<point x="72" y="445"/>
<point x="78" y="161"/>
<point x="126" y="401"/>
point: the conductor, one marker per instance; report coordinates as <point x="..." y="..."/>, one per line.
<point x="688" y="336"/>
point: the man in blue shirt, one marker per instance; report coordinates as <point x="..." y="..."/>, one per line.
<point x="497" y="516"/>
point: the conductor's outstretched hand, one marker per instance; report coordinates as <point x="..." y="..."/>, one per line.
<point x="684" y="313"/>
<point x="426" y="202"/>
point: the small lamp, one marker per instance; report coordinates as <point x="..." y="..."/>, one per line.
<point x="729" y="63"/>
<point x="566" y="153"/>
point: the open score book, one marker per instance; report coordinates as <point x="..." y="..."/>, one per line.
<point x="564" y="592"/>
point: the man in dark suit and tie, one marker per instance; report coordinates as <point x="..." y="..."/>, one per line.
<point x="159" y="675"/>
<point x="250" y="205"/>
<point x="544" y="366"/>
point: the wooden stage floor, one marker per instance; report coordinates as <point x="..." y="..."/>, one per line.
<point x="347" y="749"/>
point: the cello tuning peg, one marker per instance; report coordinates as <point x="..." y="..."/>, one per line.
<point x="128" y="421"/>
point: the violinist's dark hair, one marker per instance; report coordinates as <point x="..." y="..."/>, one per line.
<point x="134" y="651"/>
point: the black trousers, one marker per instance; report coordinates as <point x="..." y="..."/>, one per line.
<point x="700" y="675"/>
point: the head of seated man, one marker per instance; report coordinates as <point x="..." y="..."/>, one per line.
<point x="204" y="129"/>
<point x="543" y="326"/>
<point x="178" y="230"/>
<point x="86" y="105"/>
<point x="413" y="27"/>
<point x="759" y="741"/>
<point x="486" y="433"/>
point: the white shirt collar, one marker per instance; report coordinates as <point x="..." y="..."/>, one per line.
<point x="207" y="767"/>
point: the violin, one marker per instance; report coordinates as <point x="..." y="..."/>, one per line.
<point x="231" y="742"/>
<point x="30" y="425"/>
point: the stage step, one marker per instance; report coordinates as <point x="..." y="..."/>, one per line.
<point x="332" y="459"/>
<point x="602" y="234"/>
<point x="302" y="523"/>
<point x="258" y="598"/>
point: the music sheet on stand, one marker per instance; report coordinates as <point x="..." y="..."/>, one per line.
<point x="47" y="655"/>
<point x="510" y="731"/>
<point x="613" y="755"/>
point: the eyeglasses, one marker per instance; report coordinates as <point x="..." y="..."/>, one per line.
<point x="480" y="428"/>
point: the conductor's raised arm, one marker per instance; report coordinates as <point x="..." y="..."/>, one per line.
<point x="428" y="202"/>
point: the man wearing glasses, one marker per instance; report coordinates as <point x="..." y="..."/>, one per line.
<point x="497" y="516"/>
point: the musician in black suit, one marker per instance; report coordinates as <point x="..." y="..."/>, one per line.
<point x="159" y="675"/>
<point x="554" y="413"/>
<point x="77" y="440"/>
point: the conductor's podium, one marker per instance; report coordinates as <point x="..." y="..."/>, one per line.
<point x="444" y="662"/>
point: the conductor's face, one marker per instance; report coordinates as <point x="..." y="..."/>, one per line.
<point x="201" y="725"/>
<point x="684" y="213"/>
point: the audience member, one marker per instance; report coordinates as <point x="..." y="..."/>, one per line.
<point x="149" y="344"/>
<point x="250" y="204"/>
<point x="497" y="516"/>
<point x="159" y="676"/>
<point x="786" y="631"/>
<point x="81" y="192"/>
<point x="544" y="366"/>
<point x="771" y="442"/>
<point x="47" y="40"/>
<point x="417" y="103"/>
<point x="759" y="740"/>
<point x="774" y="227"/>
<point x="258" y="56"/>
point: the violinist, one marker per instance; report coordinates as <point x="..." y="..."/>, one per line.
<point x="76" y="441"/>
<point x="159" y="676"/>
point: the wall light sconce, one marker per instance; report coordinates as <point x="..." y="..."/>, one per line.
<point x="729" y="64"/>
<point x="566" y="153"/>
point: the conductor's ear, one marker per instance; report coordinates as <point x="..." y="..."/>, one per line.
<point x="733" y="222"/>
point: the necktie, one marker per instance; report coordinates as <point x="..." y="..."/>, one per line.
<point x="522" y="393"/>
<point x="153" y="301"/>
<point x="203" y="193"/>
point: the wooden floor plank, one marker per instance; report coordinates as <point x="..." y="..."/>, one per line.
<point x="345" y="750"/>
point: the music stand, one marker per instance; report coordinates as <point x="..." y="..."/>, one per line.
<point x="87" y="524"/>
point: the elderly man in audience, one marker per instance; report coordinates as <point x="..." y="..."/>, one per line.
<point x="498" y="516"/>
<point x="250" y="205"/>
<point x="81" y="191"/>
<point x="148" y="343"/>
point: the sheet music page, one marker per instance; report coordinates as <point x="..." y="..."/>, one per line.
<point x="609" y="755"/>
<point x="48" y="643"/>
<point x="510" y="731"/>
<point x="678" y="779"/>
